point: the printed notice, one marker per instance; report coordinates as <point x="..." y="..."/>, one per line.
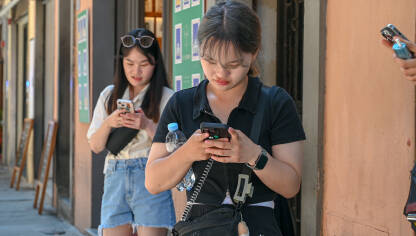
<point x="195" y="2"/>
<point x="83" y="66"/>
<point x="196" y="78"/>
<point x="178" y="83"/>
<point x="186" y="4"/>
<point x="194" y="39"/>
<point x="178" y="5"/>
<point x="178" y="43"/>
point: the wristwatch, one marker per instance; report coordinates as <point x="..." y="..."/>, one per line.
<point x="260" y="162"/>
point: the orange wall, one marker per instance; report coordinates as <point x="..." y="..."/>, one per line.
<point x="82" y="158"/>
<point x="369" y="132"/>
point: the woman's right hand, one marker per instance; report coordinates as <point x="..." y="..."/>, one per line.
<point x="195" y="147"/>
<point x="114" y="120"/>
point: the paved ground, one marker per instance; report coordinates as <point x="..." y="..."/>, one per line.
<point x="17" y="216"/>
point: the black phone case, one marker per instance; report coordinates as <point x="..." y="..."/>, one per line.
<point x="215" y="130"/>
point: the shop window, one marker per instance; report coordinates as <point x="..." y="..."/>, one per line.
<point x="153" y="18"/>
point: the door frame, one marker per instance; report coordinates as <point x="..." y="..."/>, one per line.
<point x="22" y="53"/>
<point x="314" y="46"/>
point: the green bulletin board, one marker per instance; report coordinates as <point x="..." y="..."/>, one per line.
<point x="83" y="67"/>
<point x="186" y="17"/>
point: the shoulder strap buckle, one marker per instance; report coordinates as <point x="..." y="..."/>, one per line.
<point x="244" y="188"/>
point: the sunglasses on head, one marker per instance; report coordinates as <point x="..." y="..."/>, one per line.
<point x="144" y="41"/>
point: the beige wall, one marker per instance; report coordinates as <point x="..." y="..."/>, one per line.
<point x="267" y="12"/>
<point x="82" y="152"/>
<point x="369" y="127"/>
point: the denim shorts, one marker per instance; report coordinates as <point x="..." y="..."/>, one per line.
<point x="127" y="201"/>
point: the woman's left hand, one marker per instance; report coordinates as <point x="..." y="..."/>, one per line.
<point x="137" y="120"/>
<point x="240" y="149"/>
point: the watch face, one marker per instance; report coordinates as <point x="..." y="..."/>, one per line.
<point x="261" y="162"/>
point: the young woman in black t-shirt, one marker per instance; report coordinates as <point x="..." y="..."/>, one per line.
<point x="229" y="38"/>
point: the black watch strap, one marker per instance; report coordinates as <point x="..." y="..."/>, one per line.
<point x="260" y="162"/>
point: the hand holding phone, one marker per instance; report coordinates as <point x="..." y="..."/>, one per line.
<point x="126" y="105"/>
<point x="215" y="130"/>
<point x="399" y="47"/>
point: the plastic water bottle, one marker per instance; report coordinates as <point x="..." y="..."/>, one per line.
<point x="174" y="139"/>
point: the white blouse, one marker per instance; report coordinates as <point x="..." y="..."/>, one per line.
<point x="139" y="146"/>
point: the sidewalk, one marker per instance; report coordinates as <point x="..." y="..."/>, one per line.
<point x="18" y="217"/>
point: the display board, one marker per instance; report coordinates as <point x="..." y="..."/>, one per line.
<point x="186" y="67"/>
<point x="83" y="67"/>
<point x="45" y="163"/>
<point x="21" y="152"/>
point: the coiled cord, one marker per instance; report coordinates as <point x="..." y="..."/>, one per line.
<point x="197" y="189"/>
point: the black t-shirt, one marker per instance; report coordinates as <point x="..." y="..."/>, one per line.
<point x="281" y="125"/>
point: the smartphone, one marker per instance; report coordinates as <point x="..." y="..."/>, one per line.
<point x="126" y="105"/>
<point x="390" y="31"/>
<point x="400" y="48"/>
<point x="215" y="130"/>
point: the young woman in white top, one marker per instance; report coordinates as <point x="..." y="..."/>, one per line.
<point x="140" y="77"/>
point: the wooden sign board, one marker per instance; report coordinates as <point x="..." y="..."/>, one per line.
<point x="44" y="164"/>
<point x="21" y="152"/>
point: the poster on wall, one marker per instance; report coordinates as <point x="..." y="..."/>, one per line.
<point x="194" y="39"/>
<point x="186" y="69"/>
<point x="178" y="5"/>
<point x="178" y="43"/>
<point x="178" y="83"/>
<point x="196" y="78"/>
<point x="195" y="3"/>
<point x="186" y="4"/>
<point x="83" y="67"/>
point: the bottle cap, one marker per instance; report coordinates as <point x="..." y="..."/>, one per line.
<point x="172" y="126"/>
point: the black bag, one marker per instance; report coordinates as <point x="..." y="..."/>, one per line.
<point x="410" y="207"/>
<point x="222" y="221"/>
<point x="119" y="138"/>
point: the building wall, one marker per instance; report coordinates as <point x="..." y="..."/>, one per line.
<point x="267" y="11"/>
<point x="11" y="88"/>
<point x="82" y="152"/>
<point x="369" y="130"/>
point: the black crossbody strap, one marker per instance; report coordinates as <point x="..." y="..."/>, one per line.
<point x="258" y="117"/>
<point x="244" y="186"/>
